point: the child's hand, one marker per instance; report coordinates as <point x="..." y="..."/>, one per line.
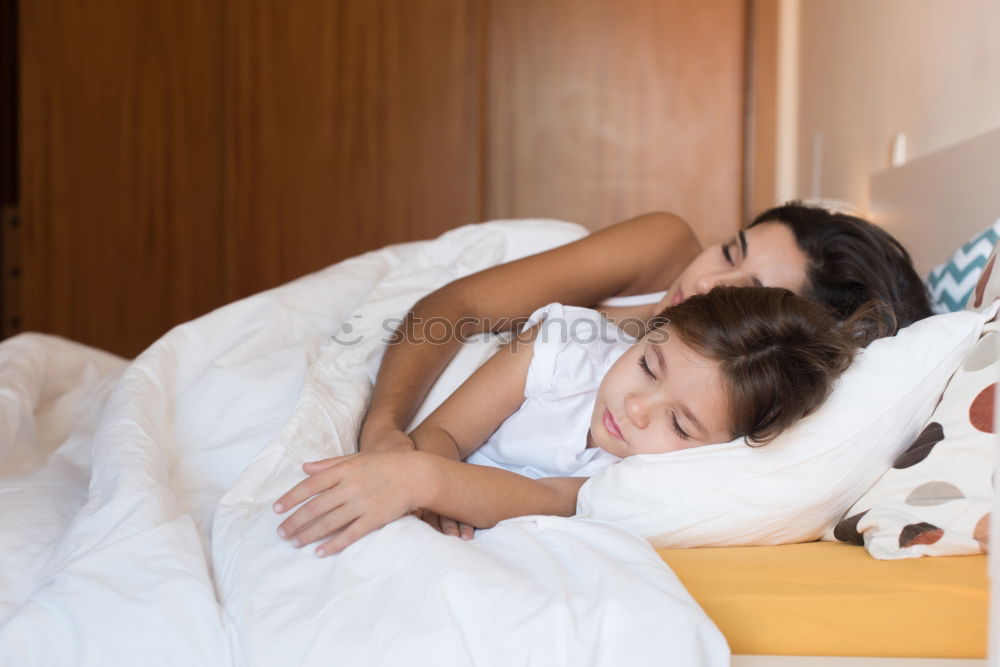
<point x="350" y="496"/>
<point x="443" y="524"/>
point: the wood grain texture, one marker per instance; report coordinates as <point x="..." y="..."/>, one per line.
<point x="349" y="125"/>
<point x="120" y="168"/>
<point x="10" y="266"/>
<point x="762" y="109"/>
<point x="598" y="111"/>
<point x="179" y="155"/>
<point x="8" y="102"/>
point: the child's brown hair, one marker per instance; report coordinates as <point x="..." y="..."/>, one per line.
<point x="779" y="354"/>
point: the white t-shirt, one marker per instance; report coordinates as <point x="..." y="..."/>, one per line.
<point x="547" y="436"/>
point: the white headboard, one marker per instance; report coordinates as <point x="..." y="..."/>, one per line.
<point x="938" y="201"/>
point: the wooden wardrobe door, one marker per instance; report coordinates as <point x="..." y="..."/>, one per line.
<point x="177" y="155"/>
<point x="349" y="125"/>
<point x="598" y="111"/>
<point x="121" y="170"/>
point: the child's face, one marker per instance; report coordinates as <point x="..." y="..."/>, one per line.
<point x="679" y="403"/>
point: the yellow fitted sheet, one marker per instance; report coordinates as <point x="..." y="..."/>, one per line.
<point x="826" y="598"/>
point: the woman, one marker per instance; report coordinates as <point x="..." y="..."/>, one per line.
<point x="835" y="259"/>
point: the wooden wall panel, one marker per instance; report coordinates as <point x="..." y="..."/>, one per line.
<point x="120" y="167"/>
<point x="760" y="175"/>
<point x="349" y="125"/>
<point x="178" y="155"/>
<point x="599" y="110"/>
<point x="10" y="316"/>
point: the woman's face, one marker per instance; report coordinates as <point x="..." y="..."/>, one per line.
<point x="765" y="254"/>
<point x="660" y="396"/>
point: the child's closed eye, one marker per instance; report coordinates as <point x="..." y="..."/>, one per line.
<point x="673" y="418"/>
<point x="677" y="427"/>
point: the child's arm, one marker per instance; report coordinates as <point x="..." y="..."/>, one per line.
<point x="367" y="491"/>
<point x="460" y="425"/>
<point x="483" y="496"/>
<point x="494" y="391"/>
<point x="467" y="418"/>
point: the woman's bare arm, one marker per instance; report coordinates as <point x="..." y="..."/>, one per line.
<point x="638" y="255"/>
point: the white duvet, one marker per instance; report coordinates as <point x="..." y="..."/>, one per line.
<point x="135" y="520"/>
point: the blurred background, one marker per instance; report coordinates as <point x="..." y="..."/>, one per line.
<point x="160" y="158"/>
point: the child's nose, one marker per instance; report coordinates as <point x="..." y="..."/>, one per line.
<point x="637" y="410"/>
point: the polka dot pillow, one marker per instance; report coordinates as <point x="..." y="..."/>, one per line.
<point x="937" y="497"/>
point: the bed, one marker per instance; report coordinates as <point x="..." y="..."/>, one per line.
<point x="136" y="523"/>
<point x="828" y="599"/>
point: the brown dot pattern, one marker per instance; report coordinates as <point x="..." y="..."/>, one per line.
<point x="919" y="533"/>
<point x="932" y="434"/>
<point x="940" y="505"/>
<point x="847" y="530"/>
<point x="934" y="493"/>
<point x="981" y="285"/>
<point x="981" y="410"/>
<point x="982" y="533"/>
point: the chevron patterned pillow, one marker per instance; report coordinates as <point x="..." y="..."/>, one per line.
<point x="951" y="283"/>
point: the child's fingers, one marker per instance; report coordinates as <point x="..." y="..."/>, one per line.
<point x="304" y="490"/>
<point x="431" y="519"/>
<point x="311" y="485"/>
<point x="324" y="526"/>
<point x="466" y="532"/>
<point x="449" y="526"/>
<point x="304" y="517"/>
<point x="313" y="467"/>
<point x="348" y="536"/>
<point x="316" y="466"/>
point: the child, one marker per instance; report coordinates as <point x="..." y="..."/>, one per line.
<point x="561" y="401"/>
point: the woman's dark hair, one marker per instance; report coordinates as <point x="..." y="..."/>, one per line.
<point x="779" y="353"/>
<point x="852" y="262"/>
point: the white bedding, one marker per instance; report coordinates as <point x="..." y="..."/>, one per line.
<point x="135" y="520"/>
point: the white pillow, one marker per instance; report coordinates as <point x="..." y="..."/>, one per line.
<point x="797" y="487"/>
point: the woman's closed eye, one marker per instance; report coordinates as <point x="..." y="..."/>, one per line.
<point x="645" y="367"/>
<point x="728" y="253"/>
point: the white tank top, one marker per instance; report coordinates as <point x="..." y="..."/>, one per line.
<point x="634" y="300"/>
<point x="547" y="435"/>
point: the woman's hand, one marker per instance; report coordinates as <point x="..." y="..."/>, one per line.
<point x="385" y="439"/>
<point x="349" y="497"/>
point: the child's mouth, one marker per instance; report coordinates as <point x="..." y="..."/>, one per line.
<point x="611" y="425"/>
